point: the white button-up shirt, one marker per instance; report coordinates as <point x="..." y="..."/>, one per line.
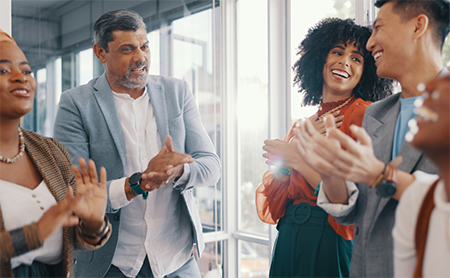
<point x="149" y="227"/>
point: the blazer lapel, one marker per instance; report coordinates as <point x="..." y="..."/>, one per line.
<point x="157" y="98"/>
<point x="45" y="164"/>
<point x="410" y="157"/>
<point x="382" y="127"/>
<point x="105" y="99"/>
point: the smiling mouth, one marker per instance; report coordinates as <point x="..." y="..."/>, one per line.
<point x="139" y="70"/>
<point x="22" y="92"/>
<point x="378" y="55"/>
<point x="340" y="73"/>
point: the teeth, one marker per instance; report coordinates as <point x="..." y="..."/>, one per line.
<point x="22" y="92"/>
<point x="378" y="55"/>
<point x="341" y="73"/>
<point x="426" y="114"/>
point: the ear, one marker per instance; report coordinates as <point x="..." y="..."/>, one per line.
<point x="100" y="53"/>
<point x="421" y="25"/>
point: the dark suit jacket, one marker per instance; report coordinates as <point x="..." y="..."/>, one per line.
<point x="373" y="215"/>
<point x="54" y="164"/>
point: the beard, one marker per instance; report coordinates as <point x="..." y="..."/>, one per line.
<point x="133" y="83"/>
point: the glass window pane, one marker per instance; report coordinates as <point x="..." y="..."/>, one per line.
<point x="252" y="107"/>
<point x="305" y="14"/>
<point x="86" y="66"/>
<point x="210" y="263"/>
<point x="192" y="60"/>
<point x="254" y="260"/>
<point x="153" y="39"/>
<point x="41" y="99"/>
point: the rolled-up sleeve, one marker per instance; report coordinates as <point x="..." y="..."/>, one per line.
<point x="339" y="210"/>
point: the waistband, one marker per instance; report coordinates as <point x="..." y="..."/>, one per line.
<point x="304" y="213"/>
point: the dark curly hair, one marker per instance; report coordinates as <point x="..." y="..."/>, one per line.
<point x="314" y="49"/>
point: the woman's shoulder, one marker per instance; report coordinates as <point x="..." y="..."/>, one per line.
<point x="361" y="104"/>
<point x="43" y="143"/>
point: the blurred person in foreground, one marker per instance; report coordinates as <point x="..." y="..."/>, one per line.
<point x="336" y="72"/>
<point x="422" y="222"/>
<point x="406" y="42"/>
<point x="147" y="132"/>
<point x="47" y="206"/>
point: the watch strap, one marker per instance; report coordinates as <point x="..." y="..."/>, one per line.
<point x="134" y="181"/>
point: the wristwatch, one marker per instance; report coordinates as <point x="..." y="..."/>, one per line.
<point x="134" y="181"/>
<point x="388" y="185"/>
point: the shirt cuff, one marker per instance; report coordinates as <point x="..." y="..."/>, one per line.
<point x="117" y="196"/>
<point x="184" y="178"/>
<point x="339" y="210"/>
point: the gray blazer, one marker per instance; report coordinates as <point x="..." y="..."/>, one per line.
<point x="375" y="216"/>
<point x="88" y="125"/>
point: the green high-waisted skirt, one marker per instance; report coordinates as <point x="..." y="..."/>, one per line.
<point x="37" y="270"/>
<point x="307" y="246"/>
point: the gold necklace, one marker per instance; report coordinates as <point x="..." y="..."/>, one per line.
<point x="335" y="109"/>
<point x="21" y="150"/>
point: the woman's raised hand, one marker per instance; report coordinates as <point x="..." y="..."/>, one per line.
<point x="319" y="124"/>
<point x="93" y="206"/>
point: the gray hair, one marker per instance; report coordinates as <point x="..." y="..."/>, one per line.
<point x="109" y="22"/>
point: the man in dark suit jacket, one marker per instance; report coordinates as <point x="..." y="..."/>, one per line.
<point x="406" y="43"/>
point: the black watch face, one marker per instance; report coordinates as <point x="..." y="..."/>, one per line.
<point x="135" y="178"/>
<point x="386" y="188"/>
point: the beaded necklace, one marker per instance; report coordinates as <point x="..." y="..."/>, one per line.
<point x="21" y="147"/>
<point x="320" y="118"/>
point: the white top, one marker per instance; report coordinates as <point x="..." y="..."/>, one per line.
<point x="22" y="206"/>
<point x="437" y="250"/>
<point x="148" y="227"/>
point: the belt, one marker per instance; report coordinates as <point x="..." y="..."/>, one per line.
<point x="304" y="213"/>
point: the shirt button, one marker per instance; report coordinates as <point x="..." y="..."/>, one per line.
<point x="38" y="201"/>
<point x="42" y="208"/>
<point x="34" y="195"/>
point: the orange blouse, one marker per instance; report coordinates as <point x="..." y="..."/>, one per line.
<point x="272" y="196"/>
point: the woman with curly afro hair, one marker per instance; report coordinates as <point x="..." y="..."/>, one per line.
<point x="336" y="72"/>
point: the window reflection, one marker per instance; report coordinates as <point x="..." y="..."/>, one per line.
<point x="254" y="260"/>
<point x="210" y="263"/>
<point x="252" y="107"/>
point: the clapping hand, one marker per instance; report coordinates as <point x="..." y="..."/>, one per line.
<point x="164" y="167"/>
<point x="319" y="123"/>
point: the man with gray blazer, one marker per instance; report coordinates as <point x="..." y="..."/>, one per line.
<point x="146" y="131"/>
<point x="406" y="44"/>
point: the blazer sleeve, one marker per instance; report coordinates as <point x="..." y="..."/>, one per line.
<point x="206" y="169"/>
<point x="69" y="129"/>
<point x="19" y="241"/>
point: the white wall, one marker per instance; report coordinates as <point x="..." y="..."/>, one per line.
<point x="5" y="16"/>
